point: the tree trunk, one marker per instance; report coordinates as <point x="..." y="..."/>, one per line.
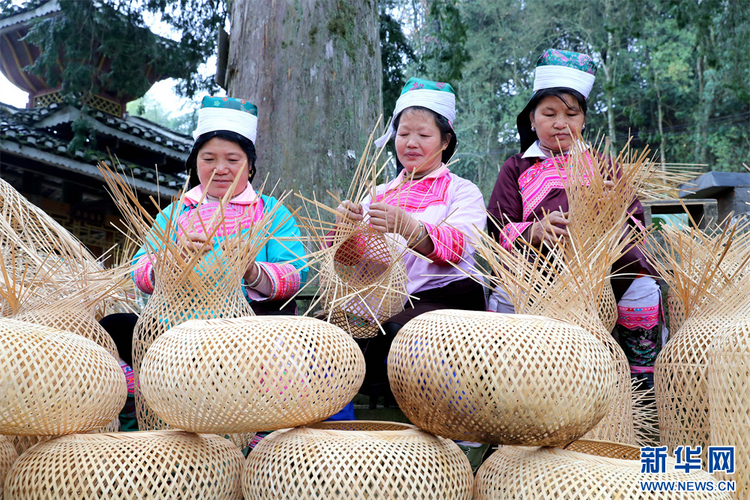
<point x="313" y="69"/>
<point x="701" y="121"/>
<point x="610" y="68"/>
<point x="660" y="117"/>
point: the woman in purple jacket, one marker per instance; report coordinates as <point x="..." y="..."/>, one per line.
<point x="529" y="199"/>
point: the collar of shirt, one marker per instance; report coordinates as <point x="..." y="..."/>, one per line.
<point x="246" y="197"/>
<point x="438" y="172"/>
<point x="534" y="152"/>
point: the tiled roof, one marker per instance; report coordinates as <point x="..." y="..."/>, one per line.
<point x="29" y="7"/>
<point x="27" y="128"/>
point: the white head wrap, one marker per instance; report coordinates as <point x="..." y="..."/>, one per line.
<point x="234" y="120"/>
<point x="550" y="76"/>
<point x="441" y="102"/>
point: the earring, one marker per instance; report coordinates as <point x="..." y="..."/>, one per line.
<point x="533" y="129"/>
<point x="583" y="127"/>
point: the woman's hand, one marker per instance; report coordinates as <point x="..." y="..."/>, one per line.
<point x="192" y="242"/>
<point x="348" y="210"/>
<point x="389" y="219"/>
<point x="252" y="273"/>
<point x="549" y="229"/>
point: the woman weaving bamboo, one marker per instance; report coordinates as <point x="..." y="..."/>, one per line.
<point x="529" y="200"/>
<point x="431" y="209"/>
<point x="224" y="156"/>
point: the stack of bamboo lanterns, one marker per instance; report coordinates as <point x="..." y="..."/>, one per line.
<point x="57" y="386"/>
<point x="548" y="384"/>
<point x="701" y="375"/>
<point x="546" y="378"/>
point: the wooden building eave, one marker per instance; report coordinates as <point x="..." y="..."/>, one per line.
<point x="81" y="167"/>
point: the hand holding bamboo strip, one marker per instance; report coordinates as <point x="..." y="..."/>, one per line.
<point x="362" y="272"/>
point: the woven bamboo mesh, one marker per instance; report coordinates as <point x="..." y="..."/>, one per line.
<point x="67" y="317"/>
<point x="552" y="473"/>
<point x="363" y="279"/>
<point x="619" y="424"/>
<point x="54" y="382"/>
<point x="23" y="443"/>
<point x="256" y="373"/>
<point x="362" y="272"/>
<point x="132" y="465"/>
<point x="676" y="312"/>
<point x="567" y="280"/>
<point x="605" y="449"/>
<point x="8" y="455"/>
<point x="608" y="307"/>
<point x="204" y="284"/>
<point x="729" y="398"/>
<point x="707" y="272"/>
<point x="356" y="460"/>
<point x="539" y="287"/>
<point x="500" y="379"/>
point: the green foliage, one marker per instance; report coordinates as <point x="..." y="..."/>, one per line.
<point x="395" y="53"/>
<point x="445" y="37"/>
<point x="84" y="31"/>
<point x="150" y="109"/>
<point x="672" y="74"/>
<point x="75" y="41"/>
<point x="341" y="24"/>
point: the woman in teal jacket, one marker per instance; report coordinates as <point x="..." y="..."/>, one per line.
<point x="223" y="157"/>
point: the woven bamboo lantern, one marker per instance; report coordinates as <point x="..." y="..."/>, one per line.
<point x="569" y="278"/>
<point x="201" y="285"/>
<point x="70" y="319"/>
<point x="552" y="473"/>
<point x="131" y="465"/>
<point x="681" y="382"/>
<point x="363" y="280"/>
<point x="254" y="373"/>
<point x="706" y="273"/>
<point x="500" y="379"/>
<point x="54" y="383"/>
<point x="202" y="295"/>
<point x="360" y="459"/>
<point x="361" y="270"/>
<point x="729" y="398"/>
<point x="8" y="455"/>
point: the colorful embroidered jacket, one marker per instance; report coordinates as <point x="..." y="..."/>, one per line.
<point x="280" y="260"/>
<point x="527" y="187"/>
<point x="450" y="207"/>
